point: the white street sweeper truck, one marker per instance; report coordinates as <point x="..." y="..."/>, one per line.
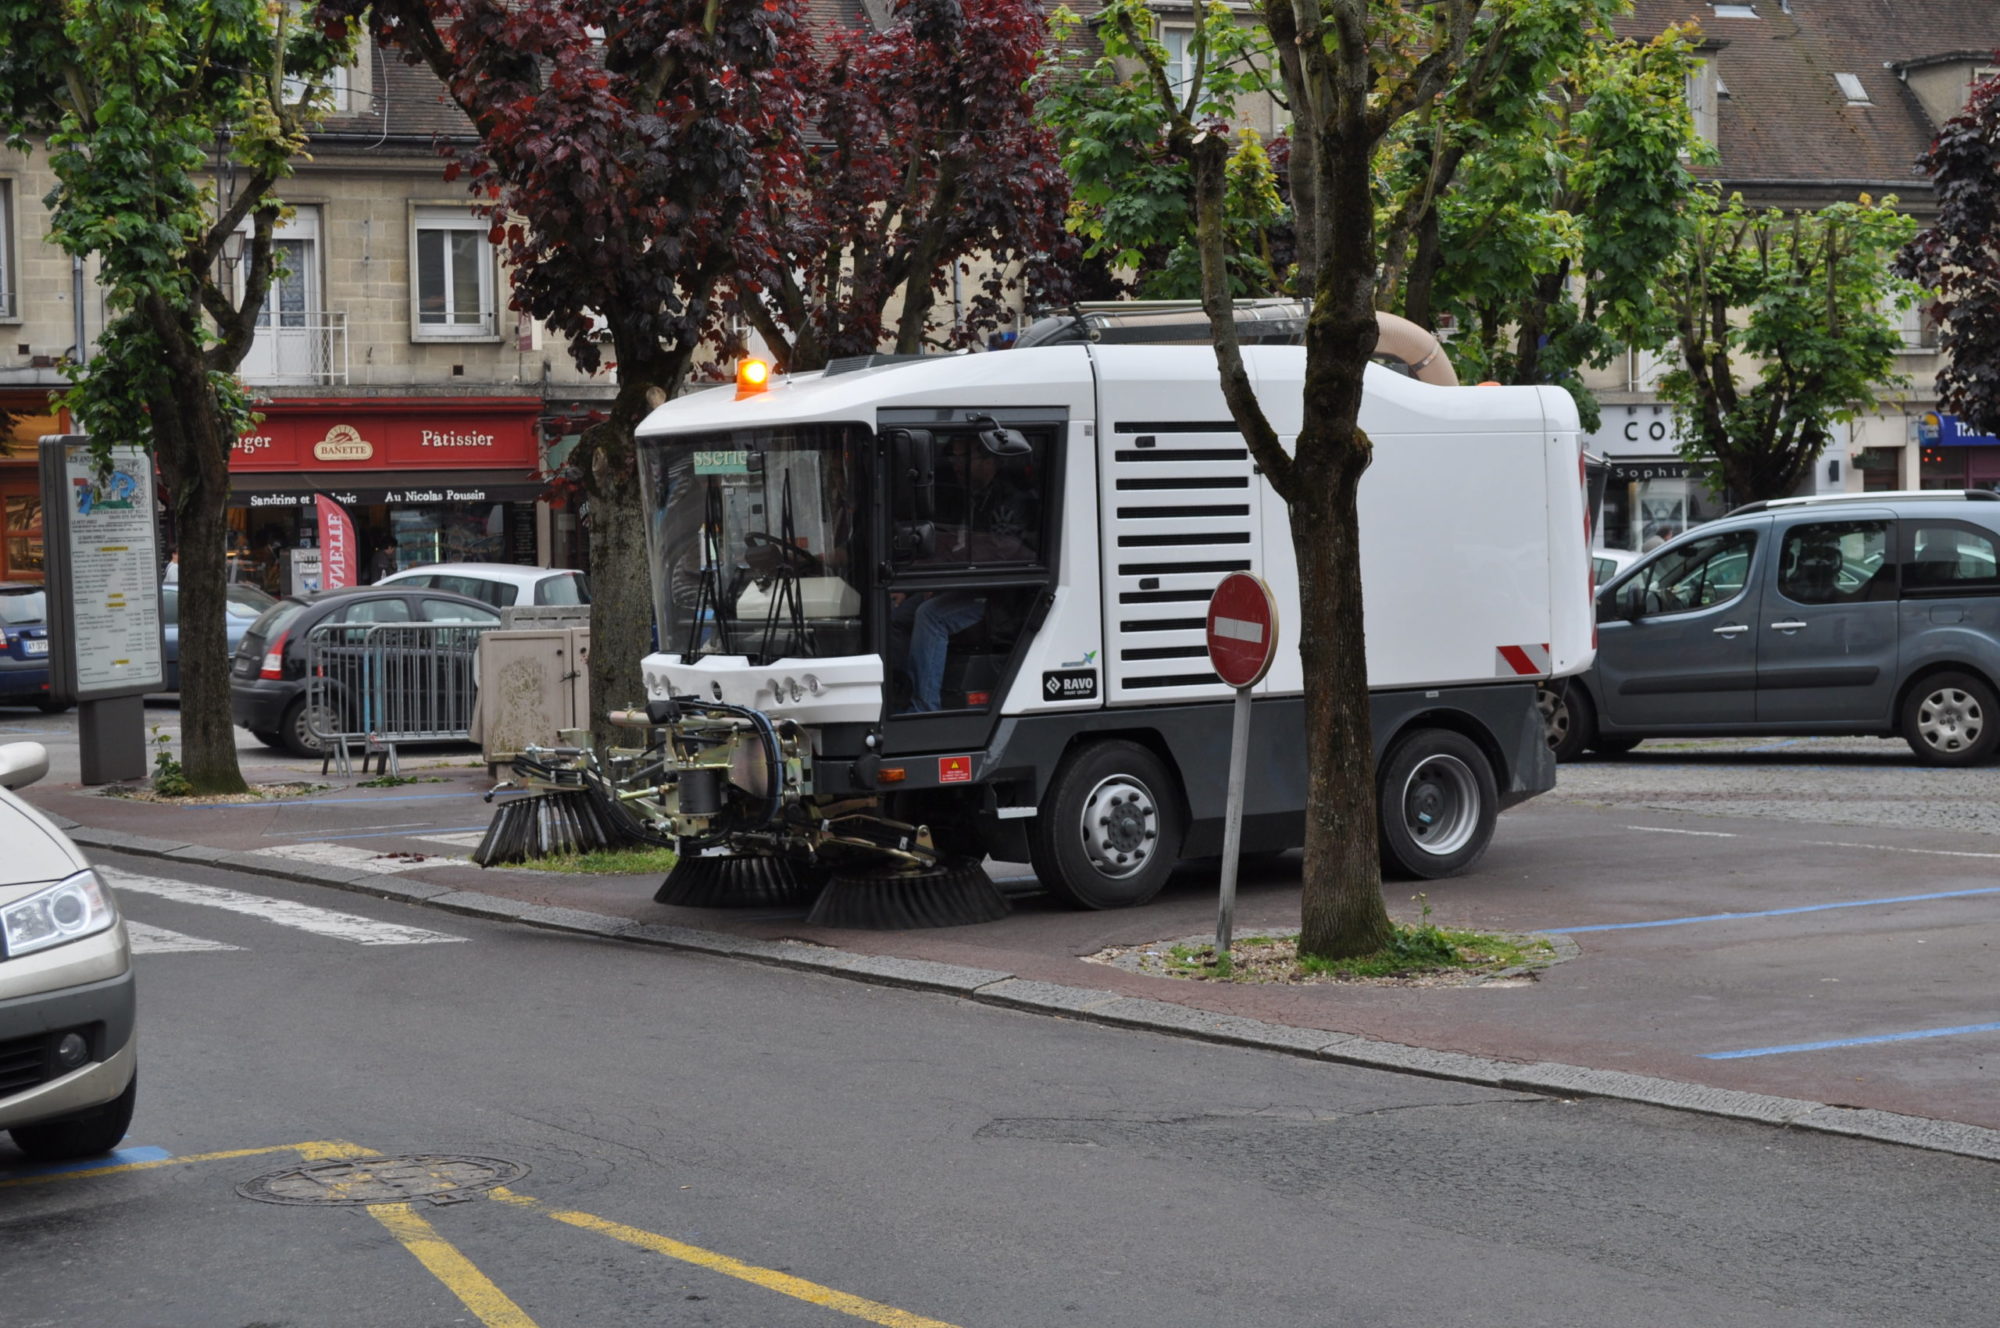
<point x="917" y="612"/>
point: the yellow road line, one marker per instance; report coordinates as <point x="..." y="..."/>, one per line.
<point x="313" y="1151"/>
<point x="472" y="1287"/>
<point x="768" y="1278"/>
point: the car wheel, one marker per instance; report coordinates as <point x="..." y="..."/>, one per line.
<point x="85" y="1134"/>
<point x="1568" y="720"/>
<point x="295" y="733"/>
<point x="270" y="738"/>
<point x="1109" y="831"/>
<point x="1951" y="719"/>
<point x="54" y="707"/>
<point x="1436" y="802"/>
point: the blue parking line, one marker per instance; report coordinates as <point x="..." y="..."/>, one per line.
<point x="1851" y="1042"/>
<point x="414" y="832"/>
<point x="1772" y="912"/>
<point x="335" y="802"/>
<point x="119" y="1158"/>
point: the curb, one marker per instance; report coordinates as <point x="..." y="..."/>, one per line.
<point x="997" y="988"/>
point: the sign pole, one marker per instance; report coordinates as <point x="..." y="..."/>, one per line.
<point x="1242" y="643"/>
<point x="1232" y="825"/>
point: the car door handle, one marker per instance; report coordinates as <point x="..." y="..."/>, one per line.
<point x="1732" y="629"/>
<point x="1789" y="625"/>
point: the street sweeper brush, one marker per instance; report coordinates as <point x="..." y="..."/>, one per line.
<point x="543" y="825"/>
<point x="740" y="881"/>
<point x="952" y="894"/>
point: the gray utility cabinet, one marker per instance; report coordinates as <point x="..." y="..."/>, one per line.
<point x="534" y="682"/>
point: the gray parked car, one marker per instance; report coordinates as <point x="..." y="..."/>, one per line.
<point x="1873" y="614"/>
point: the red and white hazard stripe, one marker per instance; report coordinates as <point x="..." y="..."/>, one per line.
<point x="1521" y="661"/>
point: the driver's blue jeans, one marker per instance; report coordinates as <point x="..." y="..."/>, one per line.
<point x="930" y="636"/>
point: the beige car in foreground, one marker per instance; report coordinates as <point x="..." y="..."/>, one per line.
<point x="68" y="1042"/>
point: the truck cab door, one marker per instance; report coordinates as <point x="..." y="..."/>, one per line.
<point x="1826" y="639"/>
<point x="1676" y="638"/>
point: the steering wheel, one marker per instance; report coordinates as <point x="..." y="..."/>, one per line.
<point x="801" y="560"/>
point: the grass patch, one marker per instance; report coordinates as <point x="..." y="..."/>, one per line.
<point x="606" y="862"/>
<point x="1420" y="954"/>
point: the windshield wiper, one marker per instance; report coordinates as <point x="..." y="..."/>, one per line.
<point x="708" y="584"/>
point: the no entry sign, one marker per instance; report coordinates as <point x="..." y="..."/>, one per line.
<point x="1242" y="629"/>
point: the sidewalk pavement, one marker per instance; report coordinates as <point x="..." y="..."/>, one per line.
<point x="1577" y="1031"/>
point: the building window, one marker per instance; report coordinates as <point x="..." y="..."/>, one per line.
<point x="1180" y="59"/>
<point x="1702" y="82"/>
<point x="453" y="275"/>
<point x="9" y="308"/>
<point x="298" y="340"/>
<point x="1850" y="88"/>
<point x="1919" y="329"/>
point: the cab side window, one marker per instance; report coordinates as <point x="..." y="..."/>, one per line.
<point x="1698" y="575"/>
<point x="988" y="506"/>
<point x="1836" y="562"/>
<point x="1951" y="558"/>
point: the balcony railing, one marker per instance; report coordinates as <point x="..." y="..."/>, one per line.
<point x="299" y="346"/>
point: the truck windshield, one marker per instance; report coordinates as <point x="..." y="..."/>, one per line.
<point x="753" y="540"/>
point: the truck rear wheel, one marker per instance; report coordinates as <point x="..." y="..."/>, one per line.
<point x="1436" y="802"/>
<point x="1109" y="830"/>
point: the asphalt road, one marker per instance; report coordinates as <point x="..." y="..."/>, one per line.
<point x="709" y="1142"/>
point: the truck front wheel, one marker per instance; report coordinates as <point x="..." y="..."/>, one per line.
<point x="1436" y="802"/>
<point x="1109" y="830"/>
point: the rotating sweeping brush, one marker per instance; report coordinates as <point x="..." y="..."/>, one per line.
<point x="740" y="881"/>
<point x="955" y="894"/>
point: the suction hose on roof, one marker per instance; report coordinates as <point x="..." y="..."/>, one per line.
<point x="1417" y="347"/>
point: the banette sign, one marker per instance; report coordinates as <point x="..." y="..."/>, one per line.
<point x="379" y="433"/>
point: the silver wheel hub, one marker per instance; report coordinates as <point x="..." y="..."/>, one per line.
<point x="1555" y="715"/>
<point x="1441" y="805"/>
<point x="1121" y="826"/>
<point x="1950" y="720"/>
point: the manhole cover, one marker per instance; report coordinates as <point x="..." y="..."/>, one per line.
<point x="351" y="1181"/>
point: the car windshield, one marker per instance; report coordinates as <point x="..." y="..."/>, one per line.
<point x="247" y="601"/>
<point x="23" y="606"/>
<point x="753" y="537"/>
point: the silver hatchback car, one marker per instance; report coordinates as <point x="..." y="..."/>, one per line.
<point x="1872" y="614"/>
<point x="68" y="1045"/>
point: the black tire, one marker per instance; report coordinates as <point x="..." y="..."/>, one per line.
<point x="85" y="1134"/>
<point x="1109" y="830"/>
<point x="1951" y="719"/>
<point x="1569" y="720"/>
<point x="54" y="707"/>
<point x="1436" y="804"/>
<point x="1604" y="746"/>
<point x="270" y="738"/>
<point x="295" y="735"/>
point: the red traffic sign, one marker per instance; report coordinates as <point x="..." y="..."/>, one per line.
<point x="1242" y="629"/>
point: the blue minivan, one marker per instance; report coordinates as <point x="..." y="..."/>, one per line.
<point x="1847" y="614"/>
<point x="24" y="646"/>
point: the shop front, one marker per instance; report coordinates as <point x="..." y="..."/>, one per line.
<point x="1651" y="493"/>
<point x="20" y="480"/>
<point x="425" y="480"/>
<point x="1951" y="456"/>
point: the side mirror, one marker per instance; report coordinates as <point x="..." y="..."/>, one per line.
<point x="22" y="763"/>
<point x="1000" y="441"/>
<point x="912" y="468"/>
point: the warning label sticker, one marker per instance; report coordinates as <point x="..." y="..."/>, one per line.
<point x="954" y="770"/>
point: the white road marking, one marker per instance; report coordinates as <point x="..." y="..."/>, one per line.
<point x="1668" y="830"/>
<point x="148" y="939"/>
<point x="467" y="839"/>
<point x="1886" y="848"/>
<point x="303" y="917"/>
<point x="342" y="855"/>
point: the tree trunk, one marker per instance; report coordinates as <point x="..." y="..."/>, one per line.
<point x="191" y="446"/>
<point x="621" y="598"/>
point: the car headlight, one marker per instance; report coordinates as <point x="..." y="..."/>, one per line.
<point x="70" y="910"/>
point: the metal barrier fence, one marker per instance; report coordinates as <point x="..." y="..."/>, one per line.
<point x="383" y="683"/>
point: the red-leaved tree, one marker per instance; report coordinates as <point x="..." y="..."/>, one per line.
<point x="615" y="149"/>
<point x="906" y="170"/>
<point x="1958" y="255"/>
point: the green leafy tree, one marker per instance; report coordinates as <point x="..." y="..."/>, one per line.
<point x="136" y="102"/>
<point x="1131" y="180"/>
<point x="1786" y="324"/>
<point x="1565" y="161"/>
